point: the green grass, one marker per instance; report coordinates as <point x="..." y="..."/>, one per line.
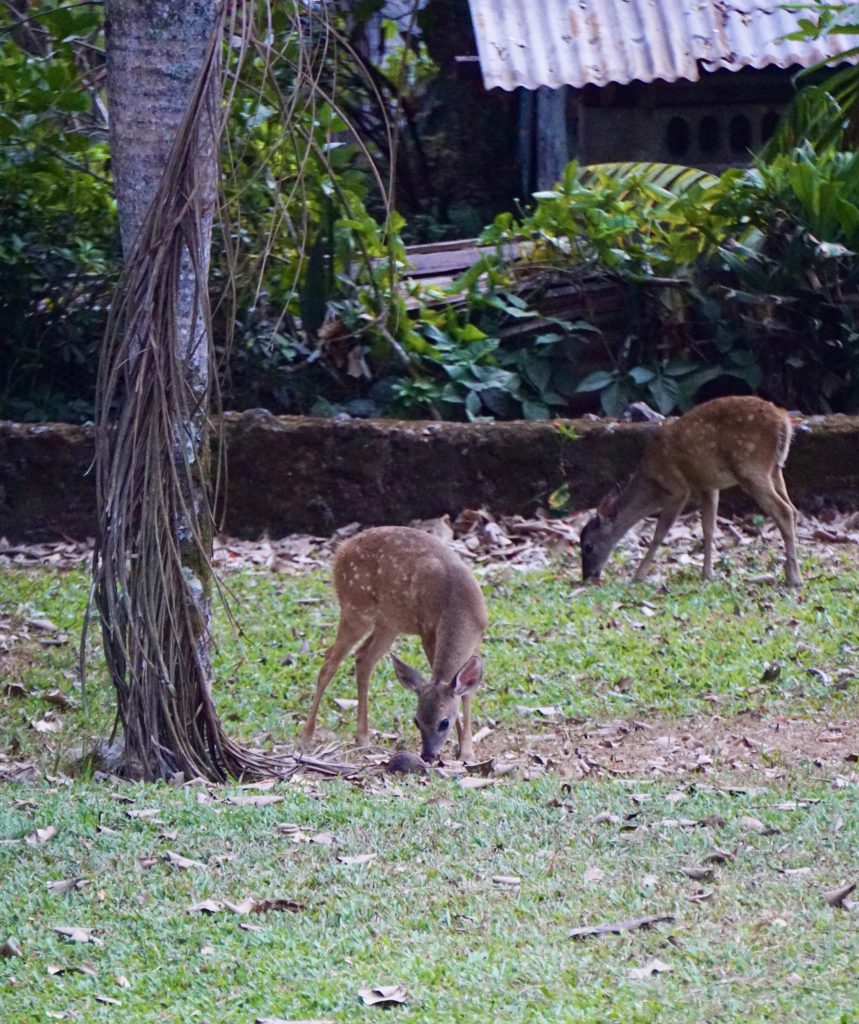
<point x="671" y="649"/>
<point x="425" y="913"/>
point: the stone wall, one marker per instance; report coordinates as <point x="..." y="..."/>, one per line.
<point x="288" y="474"/>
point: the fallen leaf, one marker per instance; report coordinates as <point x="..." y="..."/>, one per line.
<point x="63" y="885"/>
<point x="716" y="855"/>
<point x="506" y="881"/>
<point x="619" y="927"/>
<point x="323" y="839"/>
<point x="41" y="835"/>
<point x="122" y="981"/>
<point x="358" y="858"/>
<point x="206" y="907"/>
<point x="794" y="872"/>
<point x="109" y="1000"/>
<point x="837" y="897"/>
<point x="180" y="862"/>
<point x="593" y="874"/>
<point x="278" y="904"/>
<point x="654" y="967"/>
<point x="14" y="690"/>
<point x="44" y="625"/>
<point x="700" y="896"/>
<point x="752" y="824"/>
<point x="282" y="1020"/>
<point x="383" y="995"/>
<point x="475" y="782"/>
<point x="698" y="874"/>
<point x="58" y="699"/>
<point x="207" y="950"/>
<point x="606" y="817"/>
<point x="76" y="934"/>
<point x="87" y="969"/>
<point x="10" y="948"/>
<point x="50" y="723"/>
<point x="346" y="703"/>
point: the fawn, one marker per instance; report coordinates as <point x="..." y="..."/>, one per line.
<point x="391" y="580"/>
<point x="739" y="440"/>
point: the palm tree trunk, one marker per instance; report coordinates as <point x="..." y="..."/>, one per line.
<point x="152" y="568"/>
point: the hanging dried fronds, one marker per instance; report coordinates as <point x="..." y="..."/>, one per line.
<point x="152" y="571"/>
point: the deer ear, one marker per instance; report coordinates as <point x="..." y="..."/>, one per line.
<point x="607" y="508"/>
<point x="408" y="676"/>
<point x="468" y="677"/>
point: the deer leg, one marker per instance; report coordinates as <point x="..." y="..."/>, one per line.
<point x="770" y="493"/>
<point x="349" y="632"/>
<point x="465" y="749"/>
<point x="709" y="507"/>
<point x="670" y="511"/>
<point x="377" y="644"/>
<point x="780" y="487"/>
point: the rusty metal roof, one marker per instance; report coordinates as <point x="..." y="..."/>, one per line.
<point x="580" y="42"/>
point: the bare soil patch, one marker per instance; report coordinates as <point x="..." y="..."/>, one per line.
<point x="767" y="746"/>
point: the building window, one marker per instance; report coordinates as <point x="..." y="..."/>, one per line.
<point x="709" y="134"/>
<point x="677" y="136"/>
<point x="740" y="133"/>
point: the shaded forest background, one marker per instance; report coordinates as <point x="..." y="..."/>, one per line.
<point x="624" y="282"/>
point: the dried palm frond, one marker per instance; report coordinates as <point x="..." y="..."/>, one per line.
<point x="152" y="571"/>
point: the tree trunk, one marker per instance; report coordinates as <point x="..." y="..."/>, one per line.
<point x="153" y="559"/>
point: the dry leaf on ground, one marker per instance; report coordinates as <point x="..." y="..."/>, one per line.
<point x="654" y="967"/>
<point x="619" y="927"/>
<point x="283" y="1020"/>
<point x="10" y="948"/>
<point x="41" y="835"/>
<point x="63" y="885"/>
<point x="76" y="934"/>
<point x="698" y="874"/>
<point x="383" y="995"/>
<point x="838" y="897"/>
<point x="176" y="860"/>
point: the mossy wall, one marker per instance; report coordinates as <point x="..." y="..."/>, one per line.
<point x="302" y="474"/>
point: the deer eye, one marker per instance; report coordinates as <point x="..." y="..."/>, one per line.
<point x="443" y="725"/>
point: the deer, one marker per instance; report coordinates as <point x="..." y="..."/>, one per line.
<point x="738" y="440"/>
<point x="393" y="580"/>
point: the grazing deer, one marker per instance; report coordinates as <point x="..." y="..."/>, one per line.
<point x="391" y="580"/>
<point x="740" y="440"/>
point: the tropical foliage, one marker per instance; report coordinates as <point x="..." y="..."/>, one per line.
<point x="742" y="282"/>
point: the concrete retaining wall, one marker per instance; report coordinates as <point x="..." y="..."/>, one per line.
<point x="302" y="474"/>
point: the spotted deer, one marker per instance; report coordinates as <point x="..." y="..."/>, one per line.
<point x="739" y="440"/>
<point x="391" y="580"/>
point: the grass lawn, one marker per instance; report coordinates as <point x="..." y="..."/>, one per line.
<point x="753" y="939"/>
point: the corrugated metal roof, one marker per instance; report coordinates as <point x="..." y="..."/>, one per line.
<point x="579" y="42"/>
